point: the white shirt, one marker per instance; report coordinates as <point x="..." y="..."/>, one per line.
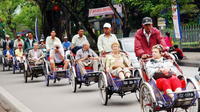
<point x="16" y="42"/>
<point x="56" y="56"/>
<point x="7" y="53"/>
<point x="154" y="66"/>
<point x="7" y="42"/>
<point x="35" y="55"/>
<point x="31" y="43"/>
<point x="104" y="43"/>
<point x="50" y="42"/>
<point x="79" y="41"/>
<point x="147" y="35"/>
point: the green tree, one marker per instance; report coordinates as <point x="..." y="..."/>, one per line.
<point x="7" y="13"/>
<point x="157" y="8"/>
<point x="2" y="32"/>
<point x="75" y="11"/>
<point x="18" y="14"/>
<point x="29" y="12"/>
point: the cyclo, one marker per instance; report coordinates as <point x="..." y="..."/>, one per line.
<point x="34" y="63"/>
<point x="162" y="89"/>
<point x="57" y="73"/>
<point x="110" y="83"/>
<point x="85" y="68"/>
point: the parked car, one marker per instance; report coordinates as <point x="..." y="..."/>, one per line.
<point x="127" y="45"/>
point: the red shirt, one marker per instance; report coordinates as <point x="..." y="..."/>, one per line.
<point x="144" y="47"/>
<point x="179" y="51"/>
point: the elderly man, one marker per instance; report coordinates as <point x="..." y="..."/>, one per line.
<point x="106" y="40"/>
<point x="18" y="41"/>
<point x="87" y="57"/>
<point x="29" y="41"/>
<point x="51" y="40"/>
<point x="146" y="38"/>
<point x="57" y="57"/>
<point x="78" y="40"/>
<point x="35" y="55"/>
<point x="7" y="42"/>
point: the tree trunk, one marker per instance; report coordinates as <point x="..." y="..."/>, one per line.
<point x="114" y="10"/>
<point x="77" y="19"/>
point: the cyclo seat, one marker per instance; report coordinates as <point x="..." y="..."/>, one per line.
<point x="88" y="68"/>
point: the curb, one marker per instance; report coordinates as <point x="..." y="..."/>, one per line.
<point x="189" y="64"/>
<point x="10" y="103"/>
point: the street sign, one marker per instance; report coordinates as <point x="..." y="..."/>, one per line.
<point x="161" y="22"/>
<point x="104" y="11"/>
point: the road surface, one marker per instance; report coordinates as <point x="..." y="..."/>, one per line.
<point x="60" y="98"/>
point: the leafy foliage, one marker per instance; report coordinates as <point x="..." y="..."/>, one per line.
<point x="18" y="13"/>
<point x="162" y="8"/>
<point x="28" y="14"/>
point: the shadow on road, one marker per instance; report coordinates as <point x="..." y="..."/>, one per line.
<point x="35" y="81"/>
<point x="82" y="90"/>
<point x="122" y="103"/>
<point x="57" y="84"/>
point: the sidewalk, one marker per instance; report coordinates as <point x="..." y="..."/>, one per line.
<point x="191" y="59"/>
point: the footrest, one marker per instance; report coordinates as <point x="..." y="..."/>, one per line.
<point x="92" y="76"/>
<point x="129" y="84"/>
<point x="129" y="81"/>
<point x="185" y="95"/>
<point x="185" y="99"/>
<point x="37" y="68"/>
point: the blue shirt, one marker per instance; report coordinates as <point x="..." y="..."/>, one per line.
<point x="10" y="51"/>
<point x="66" y="45"/>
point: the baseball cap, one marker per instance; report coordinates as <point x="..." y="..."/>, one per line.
<point x="41" y="40"/>
<point x="53" y="30"/>
<point x="7" y="36"/>
<point x="65" y="37"/>
<point x="18" y="35"/>
<point x="147" y="20"/>
<point x="107" y="25"/>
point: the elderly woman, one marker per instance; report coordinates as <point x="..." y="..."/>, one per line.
<point x="117" y="63"/>
<point x="164" y="72"/>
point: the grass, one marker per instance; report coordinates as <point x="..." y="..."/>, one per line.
<point x="189" y="44"/>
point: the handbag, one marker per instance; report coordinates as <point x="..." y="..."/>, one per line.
<point x="158" y="75"/>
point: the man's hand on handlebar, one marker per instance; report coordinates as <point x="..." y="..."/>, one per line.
<point x="144" y="56"/>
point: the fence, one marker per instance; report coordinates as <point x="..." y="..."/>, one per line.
<point x="191" y="36"/>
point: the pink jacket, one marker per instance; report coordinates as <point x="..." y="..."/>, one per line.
<point x="168" y="41"/>
<point x="141" y="44"/>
